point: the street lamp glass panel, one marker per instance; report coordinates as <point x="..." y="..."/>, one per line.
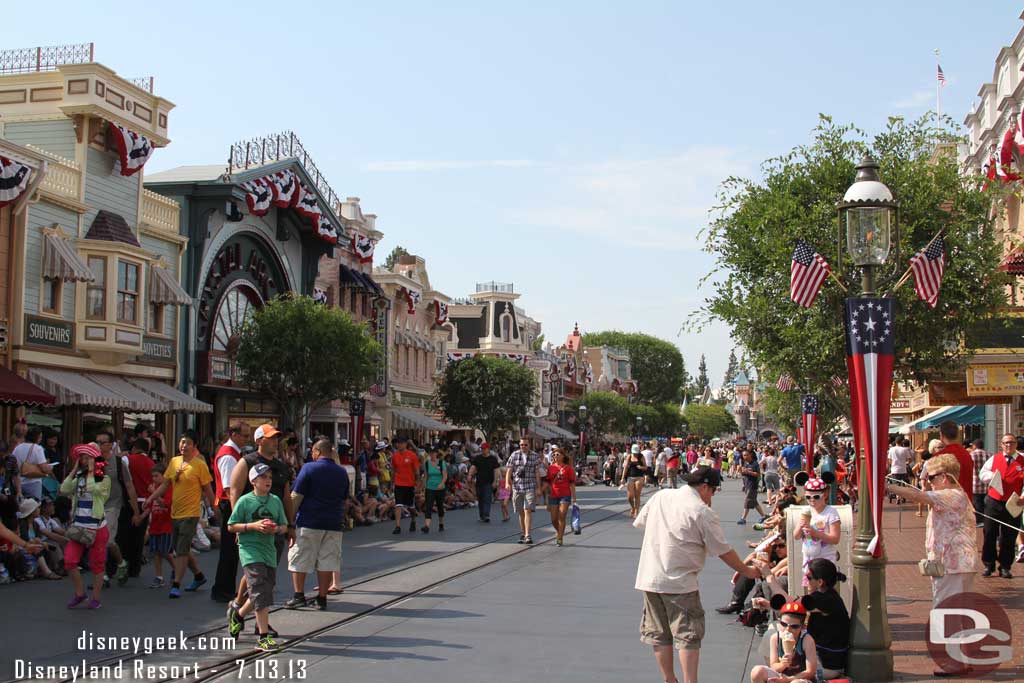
<point x="867" y="234"/>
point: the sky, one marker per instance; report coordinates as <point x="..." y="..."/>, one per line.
<point x="571" y="148"/>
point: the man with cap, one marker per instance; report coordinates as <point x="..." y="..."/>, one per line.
<point x="482" y="468"/>
<point x="680" y="531"/>
<point x="266" y="437"/>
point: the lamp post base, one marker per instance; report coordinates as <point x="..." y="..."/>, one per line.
<point x="870" y="655"/>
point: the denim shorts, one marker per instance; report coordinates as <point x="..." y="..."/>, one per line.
<point x="552" y="500"/>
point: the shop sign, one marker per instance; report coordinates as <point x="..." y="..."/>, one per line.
<point x="1005" y="379"/>
<point x="48" y="332"/>
<point x="157" y="350"/>
<point x="899" y="404"/>
<point x="380" y="324"/>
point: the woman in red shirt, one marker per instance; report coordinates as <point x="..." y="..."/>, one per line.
<point x="562" y="478"/>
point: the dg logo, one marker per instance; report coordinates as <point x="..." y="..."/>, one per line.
<point x="969" y="629"/>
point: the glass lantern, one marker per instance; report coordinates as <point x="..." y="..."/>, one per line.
<point x="866" y="212"/>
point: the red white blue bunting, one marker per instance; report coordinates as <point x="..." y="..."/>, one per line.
<point x="284" y="190"/>
<point x="515" y="357"/>
<point x="440" y="313"/>
<point x="306" y="205"/>
<point x="363" y="247"/>
<point x="413" y="298"/>
<point x="14" y="177"/>
<point x="319" y="296"/>
<point x="570" y="368"/>
<point x="456" y="356"/>
<point x="258" y="196"/>
<point x="326" y="231"/>
<point x="134" y="150"/>
<point x="285" y="186"/>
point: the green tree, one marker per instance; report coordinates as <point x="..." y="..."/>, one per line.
<point x="486" y="392"/>
<point x="728" y="388"/>
<point x="392" y="259"/>
<point x="661" y="419"/>
<point x="657" y="365"/>
<point x="607" y="413"/>
<point x="703" y="381"/>
<point x="709" y="421"/>
<point x="759" y="221"/>
<point x="305" y="355"/>
<point x="538" y="343"/>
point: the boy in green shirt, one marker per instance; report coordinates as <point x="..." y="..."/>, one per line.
<point x="256" y="517"/>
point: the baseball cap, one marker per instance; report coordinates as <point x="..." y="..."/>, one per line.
<point x="704" y="475"/>
<point x="258" y="470"/>
<point x="265" y="432"/>
<point x="485" y="445"/>
<point x="635" y="450"/>
<point x="794" y="607"/>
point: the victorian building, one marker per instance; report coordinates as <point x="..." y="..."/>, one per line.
<point x="92" y="294"/>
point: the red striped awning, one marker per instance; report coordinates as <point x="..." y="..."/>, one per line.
<point x="1013" y="262"/>
<point x="17" y="391"/>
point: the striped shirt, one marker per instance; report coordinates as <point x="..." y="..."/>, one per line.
<point x="979" y="456"/>
<point x="83" y="510"/>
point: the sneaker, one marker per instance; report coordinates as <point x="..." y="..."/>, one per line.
<point x="528" y="541"/>
<point x="122" y="573"/>
<point x="487" y="520"/>
<point x="1005" y="574"/>
<point x="76" y="601"/>
<point x="758" y="527"/>
<point x="175" y="592"/>
<point x="425" y="529"/>
<point x="267" y="644"/>
<point x="95" y="604"/>
<point x="270" y="631"/>
<point x="158" y="582"/>
<point x="321" y="602"/>
<point x="1020" y="555"/>
<point x="741" y="521"/>
<point x="194" y="586"/>
<point x="440" y="528"/>
<point x="398" y="530"/>
<point x="522" y="539"/>
<point x="236" y="622"/>
<point x="558" y="541"/>
<point x="988" y="571"/>
<point x="412" y="525"/>
<point x="296" y="602"/>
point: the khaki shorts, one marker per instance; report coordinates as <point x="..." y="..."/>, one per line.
<point x="183" y="530"/>
<point x="113" y="516"/>
<point x="672" y="620"/>
<point x="315" y="550"/>
<point x="524" y="500"/>
<point x="261" y="579"/>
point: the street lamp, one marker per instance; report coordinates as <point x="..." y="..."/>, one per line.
<point x="867" y="213"/>
<point x="582" y="457"/>
<point x="639" y="425"/>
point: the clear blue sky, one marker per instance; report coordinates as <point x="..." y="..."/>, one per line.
<point x="573" y="148"/>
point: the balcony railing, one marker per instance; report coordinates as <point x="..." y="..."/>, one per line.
<point x="63" y="176"/>
<point x="160" y="212"/>
<point x="29" y="59"/>
<point x="492" y="286"/>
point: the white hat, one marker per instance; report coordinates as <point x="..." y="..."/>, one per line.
<point x="667" y="451"/>
<point x="26" y="507"/>
<point x="635" y="450"/>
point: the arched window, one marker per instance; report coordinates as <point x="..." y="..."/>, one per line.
<point x="506" y="327"/>
<point x="416" y="362"/>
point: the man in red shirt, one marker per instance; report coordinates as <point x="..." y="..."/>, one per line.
<point x="949" y="434"/>
<point x="223" y="464"/>
<point x="406" y="467"/>
<point x="1004" y="474"/>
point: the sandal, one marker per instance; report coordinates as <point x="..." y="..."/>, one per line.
<point x="335" y="591"/>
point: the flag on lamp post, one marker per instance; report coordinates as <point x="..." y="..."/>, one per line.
<point x="357" y="411"/>
<point x="809" y="420"/>
<point x="869" y="362"/>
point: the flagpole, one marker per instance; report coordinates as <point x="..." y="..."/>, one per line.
<point x="838" y="282"/>
<point x="938" y="92"/>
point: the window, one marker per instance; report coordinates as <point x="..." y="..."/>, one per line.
<point x="405" y="352"/>
<point x="506" y="327"/>
<point x="416" y="362"/>
<point x="352" y="300"/>
<point x="156" y="318"/>
<point x="96" y="291"/>
<point x="127" y="292"/>
<point x="52" y="295"/>
<point x="366" y="305"/>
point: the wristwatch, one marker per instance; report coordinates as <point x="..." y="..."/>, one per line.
<point x="291" y="526"/>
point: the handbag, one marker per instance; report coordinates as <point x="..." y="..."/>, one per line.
<point x="931" y="567"/>
<point x="81" y="535"/>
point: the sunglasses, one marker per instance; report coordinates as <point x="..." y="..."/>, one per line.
<point x="791" y="626"/>
<point x="932" y="477"/>
<point x="815" y="496"/>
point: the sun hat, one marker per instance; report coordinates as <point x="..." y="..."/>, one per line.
<point x="26" y="507"/>
<point x="258" y="470"/>
<point x="86" y="449"/>
<point x="265" y="432"/>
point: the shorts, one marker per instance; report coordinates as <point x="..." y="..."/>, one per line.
<point x="552" y="501"/>
<point x="183" y="530"/>
<point x="750" y="502"/>
<point x="112" y="515"/>
<point x="261" y="579"/>
<point x="672" y="619"/>
<point x="772" y="481"/>
<point x="405" y="496"/>
<point x="315" y="550"/>
<point x="73" y="552"/>
<point x="160" y="544"/>
<point x="524" y="500"/>
<point x="632" y="480"/>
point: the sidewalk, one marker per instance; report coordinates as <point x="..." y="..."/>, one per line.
<point x="909" y="599"/>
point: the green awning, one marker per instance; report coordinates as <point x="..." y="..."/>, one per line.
<point x="961" y="415"/>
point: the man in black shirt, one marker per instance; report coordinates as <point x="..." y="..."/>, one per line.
<point x="482" y="467"/>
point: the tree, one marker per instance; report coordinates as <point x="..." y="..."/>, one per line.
<point x="657" y="365"/>
<point x="703" y="382"/>
<point x="305" y="355"/>
<point x="662" y="419"/>
<point x="709" y="421"/>
<point x="392" y="259"/>
<point x="538" y="343"/>
<point x="486" y="392"/>
<point x="759" y="221"/>
<point x="728" y="392"/>
<point x="607" y="413"/>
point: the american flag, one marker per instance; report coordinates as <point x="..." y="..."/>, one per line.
<point x="806" y="274"/>
<point x="785" y="383"/>
<point x="809" y="410"/>
<point x="838" y="381"/>
<point x="928" y="266"/>
<point x="941" y="76"/>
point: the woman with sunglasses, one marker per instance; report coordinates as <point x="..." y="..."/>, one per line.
<point x="795" y="662"/>
<point x="820" y="531"/>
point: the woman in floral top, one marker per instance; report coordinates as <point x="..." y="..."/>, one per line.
<point x="950" y="534"/>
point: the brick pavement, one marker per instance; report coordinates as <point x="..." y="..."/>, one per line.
<point x="909" y="600"/>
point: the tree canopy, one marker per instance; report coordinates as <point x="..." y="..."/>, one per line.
<point x="305" y="355"/>
<point x="759" y="221"/>
<point x="732" y="369"/>
<point x="709" y="421"/>
<point x="392" y="259"/>
<point x="703" y="381"/>
<point x="486" y="392"/>
<point x="657" y="365"/>
<point x="609" y="413"/>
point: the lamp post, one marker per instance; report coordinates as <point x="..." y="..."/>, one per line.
<point x="867" y="213"/>
<point x="582" y="457"/>
<point x="639" y="426"/>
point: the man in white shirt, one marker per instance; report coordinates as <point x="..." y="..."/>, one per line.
<point x="900" y="456"/>
<point x="32" y="463"/>
<point x="680" y="532"/>
<point x="649" y="459"/>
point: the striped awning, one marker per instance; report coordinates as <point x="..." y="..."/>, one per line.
<point x="62" y="262"/>
<point x="164" y="288"/>
<point x="408" y="418"/>
<point x="93" y="389"/>
<point x="178" y="401"/>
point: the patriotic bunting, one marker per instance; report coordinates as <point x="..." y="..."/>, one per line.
<point x="589" y="374"/>
<point x="413" y="298"/>
<point x="807" y="273"/>
<point x="785" y="383"/>
<point x="307" y="206"/>
<point x="838" y="381"/>
<point x="928" y="265"/>
<point x="516" y="357"/>
<point x="134" y="150"/>
<point x="14" y="177"/>
<point x="258" y="196"/>
<point x="357" y="412"/>
<point x="285" y="186"/>
<point x="1010" y="153"/>
<point x="869" y="361"/>
<point x="570" y="368"/>
<point x="319" y="296"/>
<point x="363" y="247"/>
<point x="809" y="417"/>
<point x="456" y="357"/>
<point x="326" y="231"/>
<point x="440" y="313"/>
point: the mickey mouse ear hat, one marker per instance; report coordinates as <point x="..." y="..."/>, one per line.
<point x="815" y="485"/>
